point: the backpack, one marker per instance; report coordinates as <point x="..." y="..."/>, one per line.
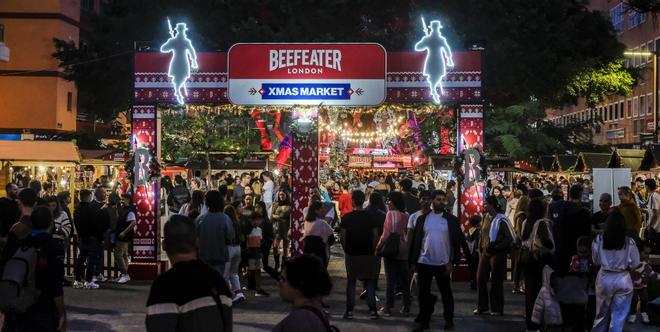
<point x="18" y="290"/>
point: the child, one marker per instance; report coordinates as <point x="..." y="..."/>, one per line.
<point x="640" y="277"/>
<point x="583" y="263"/>
<point x="474" y="233"/>
<point x="254" y="253"/>
<point x="547" y="311"/>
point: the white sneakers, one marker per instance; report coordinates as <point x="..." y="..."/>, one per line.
<point x="632" y="319"/>
<point x="91" y="285"/>
<point x="124" y="278"/>
<point x="645" y="318"/>
<point x="99" y="278"/>
<point x="78" y="284"/>
<point x="238" y="298"/>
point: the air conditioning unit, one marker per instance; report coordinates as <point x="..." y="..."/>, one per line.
<point x="4" y="52"/>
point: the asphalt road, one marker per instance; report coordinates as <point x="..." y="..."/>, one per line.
<point x="122" y="308"/>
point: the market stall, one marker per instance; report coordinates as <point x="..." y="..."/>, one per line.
<point x="47" y="161"/>
<point x="102" y="167"/>
<point x="587" y="161"/>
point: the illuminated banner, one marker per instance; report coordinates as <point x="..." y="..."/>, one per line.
<point x="307" y="74"/>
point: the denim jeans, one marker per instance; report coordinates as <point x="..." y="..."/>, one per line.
<point x="370" y="285"/>
<point x="231" y="269"/>
<point x="89" y="252"/>
<point x="396" y="272"/>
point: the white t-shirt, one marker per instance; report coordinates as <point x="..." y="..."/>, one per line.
<point x="435" y="244"/>
<point x="268" y="191"/>
<point x="654" y="204"/>
<point x="412" y="221"/>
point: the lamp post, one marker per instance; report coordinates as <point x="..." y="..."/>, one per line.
<point x="654" y="54"/>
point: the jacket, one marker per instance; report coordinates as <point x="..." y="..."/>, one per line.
<point x="632" y="215"/>
<point x="503" y="241"/>
<point x="85" y="219"/>
<point x="178" y="196"/>
<point x="546" y="308"/>
<point x="456" y="239"/>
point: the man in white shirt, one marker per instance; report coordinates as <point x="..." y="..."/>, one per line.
<point x="425" y="200"/>
<point x="653" y="205"/>
<point x="267" y="190"/>
<point x="435" y="247"/>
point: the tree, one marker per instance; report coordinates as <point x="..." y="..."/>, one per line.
<point x="523" y="132"/>
<point x="202" y="132"/>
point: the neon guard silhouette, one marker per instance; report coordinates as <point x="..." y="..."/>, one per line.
<point x="438" y="57"/>
<point x="183" y="58"/>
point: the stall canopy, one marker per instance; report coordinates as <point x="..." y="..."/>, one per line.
<point x="587" y="161"/>
<point x="31" y="152"/>
<point x="564" y="163"/>
<point x="545" y="163"/>
<point x="626" y="158"/>
<point x="103" y="157"/>
<point x="651" y="158"/>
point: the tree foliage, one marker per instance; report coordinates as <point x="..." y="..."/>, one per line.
<point x="523" y="132"/>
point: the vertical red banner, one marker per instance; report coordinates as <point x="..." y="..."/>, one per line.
<point x="470" y="136"/>
<point x="304" y="176"/>
<point x="144" y="146"/>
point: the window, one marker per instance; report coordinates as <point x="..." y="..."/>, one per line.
<point x="2" y="33"/>
<point x="642" y="105"/>
<point x="650" y="47"/>
<point x="621" y="110"/>
<point x="636" y="57"/>
<point x="635" y="18"/>
<point x="629" y="108"/>
<point x="643" y="58"/>
<point x="616" y="16"/>
<point x="600" y="114"/>
<point x="69" y="101"/>
<point x="649" y="104"/>
<point x="616" y="111"/>
<point x="636" y="128"/>
<point x="611" y="113"/>
<point x="635" y="107"/>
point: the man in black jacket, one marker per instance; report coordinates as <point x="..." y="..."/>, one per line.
<point x="85" y="218"/>
<point x="434" y="247"/>
<point x="570" y="221"/>
<point x="412" y="202"/>
<point x="179" y="195"/>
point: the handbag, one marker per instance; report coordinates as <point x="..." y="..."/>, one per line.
<point x="390" y="247"/>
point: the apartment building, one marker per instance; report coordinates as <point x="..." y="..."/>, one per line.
<point x="626" y="120"/>
<point x="33" y="95"/>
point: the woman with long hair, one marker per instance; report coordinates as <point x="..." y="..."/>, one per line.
<point x="195" y="207"/>
<point x="616" y="254"/>
<point x="282" y="222"/>
<point x="536" y="251"/>
<point x="316" y="232"/>
<point x="268" y="236"/>
<point x="396" y="268"/>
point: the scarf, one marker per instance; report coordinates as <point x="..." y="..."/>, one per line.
<point x="495" y="226"/>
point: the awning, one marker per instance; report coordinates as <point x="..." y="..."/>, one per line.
<point x="564" y="163"/>
<point x="27" y="153"/>
<point x="546" y="162"/>
<point x="651" y="158"/>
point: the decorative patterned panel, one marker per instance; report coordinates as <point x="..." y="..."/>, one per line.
<point x="471" y="135"/>
<point x="145" y="241"/>
<point x="304" y="168"/>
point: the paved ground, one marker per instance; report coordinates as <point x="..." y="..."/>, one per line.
<point x="122" y="308"/>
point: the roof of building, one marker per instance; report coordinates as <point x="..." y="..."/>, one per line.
<point x="626" y="158"/>
<point x="587" y="161"/>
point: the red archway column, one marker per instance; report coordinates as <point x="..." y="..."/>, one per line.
<point x="304" y="176"/>
<point x="470" y="135"/>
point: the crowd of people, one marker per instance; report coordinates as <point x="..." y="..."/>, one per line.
<point x="221" y="234"/>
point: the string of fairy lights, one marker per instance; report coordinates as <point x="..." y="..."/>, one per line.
<point x="342" y="130"/>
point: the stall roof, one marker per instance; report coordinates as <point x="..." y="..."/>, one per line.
<point x="564" y="163"/>
<point x="588" y="160"/>
<point x="546" y="162"/>
<point x="626" y="158"/>
<point x="651" y="158"/>
<point x="39" y="151"/>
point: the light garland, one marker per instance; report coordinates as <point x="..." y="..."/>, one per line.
<point x="415" y="108"/>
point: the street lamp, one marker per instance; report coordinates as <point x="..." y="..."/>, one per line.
<point x="654" y="54"/>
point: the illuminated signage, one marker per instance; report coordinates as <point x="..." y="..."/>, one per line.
<point x="307" y="74"/>
<point x="438" y="57"/>
<point x="184" y="58"/>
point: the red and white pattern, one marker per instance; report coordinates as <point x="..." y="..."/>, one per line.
<point x="145" y="243"/>
<point x="470" y="135"/>
<point x="304" y="168"/>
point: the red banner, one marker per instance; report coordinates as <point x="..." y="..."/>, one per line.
<point x="304" y="168"/>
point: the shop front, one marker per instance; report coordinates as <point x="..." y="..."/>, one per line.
<point x="333" y="108"/>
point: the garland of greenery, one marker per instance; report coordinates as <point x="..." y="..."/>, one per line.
<point x="303" y="137"/>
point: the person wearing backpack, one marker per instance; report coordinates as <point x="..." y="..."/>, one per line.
<point x="496" y="242"/>
<point x="44" y="309"/>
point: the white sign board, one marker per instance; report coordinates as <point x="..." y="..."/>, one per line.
<point x="608" y="180"/>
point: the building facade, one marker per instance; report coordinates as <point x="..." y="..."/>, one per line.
<point x="33" y="95"/>
<point x="626" y="120"/>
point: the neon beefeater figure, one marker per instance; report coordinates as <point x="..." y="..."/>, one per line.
<point x="438" y="57"/>
<point x="183" y="58"/>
